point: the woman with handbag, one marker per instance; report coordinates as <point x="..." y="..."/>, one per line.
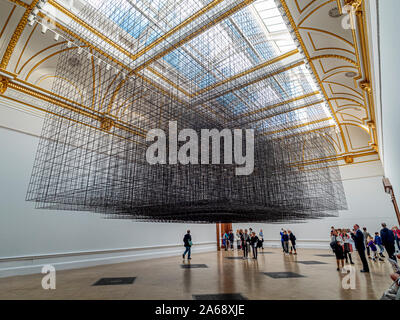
<point x="338" y="249"/>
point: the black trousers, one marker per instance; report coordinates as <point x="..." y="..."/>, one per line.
<point x="361" y="253"/>
<point x="347" y="256"/>
<point x="254" y="251"/>
<point x="245" y="250"/>
<point x="391" y="250"/>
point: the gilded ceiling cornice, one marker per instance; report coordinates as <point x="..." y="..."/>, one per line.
<point x="3" y="84"/>
<point x="16" y="35"/>
<point x="309" y="59"/>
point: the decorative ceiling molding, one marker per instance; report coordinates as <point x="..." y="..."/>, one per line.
<point x="326" y="62"/>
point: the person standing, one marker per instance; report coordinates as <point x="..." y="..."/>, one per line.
<point x="245" y="244"/>
<point x="387" y="237"/>
<point x="254" y="243"/>
<point x="378" y="242"/>
<point x="292" y="239"/>
<point x="332" y="237"/>
<point x="374" y="250"/>
<point x="338" y="249"/>
<point x="396" y="232"/>
<point x="187" y="242"/>
<point x="238" y="238"/>
<point x="231" y="239"/>
<point x="285" y="242"/>
<point x="347" y="247"/>
<point x="282" y="241"/>
<point x="261" y="238"/>
<point x="366" y="237"/>
<point x="359" y="243"/>
<point x="226" y="241"/>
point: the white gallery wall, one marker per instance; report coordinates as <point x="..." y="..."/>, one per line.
<point x="385" y="49"/>
<point x="390" y="68"/>
<point x="368" y="205"/>
<point x="69" y="239"/>
<point x="30" y="238"/>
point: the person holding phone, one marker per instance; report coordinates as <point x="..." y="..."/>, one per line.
<point x="358" y="238"/>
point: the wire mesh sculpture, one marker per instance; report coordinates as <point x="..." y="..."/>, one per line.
<point x="167" y="62"/>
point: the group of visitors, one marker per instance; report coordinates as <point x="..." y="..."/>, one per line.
<point x="342" y="241"/>
<point x="249" y="239"/>
<point x="287" y="236"/>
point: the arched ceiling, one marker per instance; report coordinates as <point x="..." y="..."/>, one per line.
<point x="337" y="54"/>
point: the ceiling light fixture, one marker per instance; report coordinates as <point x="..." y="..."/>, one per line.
<point x="44" y="28"/>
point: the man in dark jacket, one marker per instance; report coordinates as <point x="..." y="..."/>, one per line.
<point x="359" y="243"/>
<point x="231" y="239"/>
<point x="253" y="243"/>
<point x="187" y="242"/>
<point x="292" y="239"/>
<point x="387" y="237"/>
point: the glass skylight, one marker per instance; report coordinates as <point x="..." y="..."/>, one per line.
<point x="218" y="54"/>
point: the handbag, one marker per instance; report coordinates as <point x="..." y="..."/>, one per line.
<point x="190" y="242"/>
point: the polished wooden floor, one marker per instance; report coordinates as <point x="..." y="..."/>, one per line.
<point x="164" y="278"/>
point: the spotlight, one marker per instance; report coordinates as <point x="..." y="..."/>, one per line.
<point x="56" y="36"/>
<point x="31" y="17"/>
<point x="80" y="50"/>
<point x="41" y="4"/>
<point x="44" y="28"/>
<point x="35" y="11"/>
<point x="31" y="22"/>
<point x="69" y="44"/>
<point x="98" y="62"/>
<point x="108" y="67"/>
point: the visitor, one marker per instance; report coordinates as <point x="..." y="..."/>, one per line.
<point x="282" y="241"/>
<point x="226" y="241"/>
<point x="387" y="237"/>
<point x="332" y="237"/>
<point x="367" y="235"/>
<point x="261" y="238"/>
<point x="347" y="247"/>
<point x="359" y="243"/>
<point x="285" y="242"/>
<point x="254" y="244"/>
<point x="374" y="249"/>
<point x="396" y="232"/>
<point x="378" y="242"/>
<point x="292" y="239"/>
<point x="238" y="238"/>
<point x="338" y="249"/>
<point x="245" y="244"/>
<point x="231" y="239"/>
<point x="187" y="242"/>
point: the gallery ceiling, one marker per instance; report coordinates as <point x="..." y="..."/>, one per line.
<point x="324" y="73"/>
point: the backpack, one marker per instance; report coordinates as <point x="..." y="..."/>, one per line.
<point x="333" y="244"/>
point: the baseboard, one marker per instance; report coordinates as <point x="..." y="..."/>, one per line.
<point x="12" y="266"/>
<point x="306" y="244"/>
